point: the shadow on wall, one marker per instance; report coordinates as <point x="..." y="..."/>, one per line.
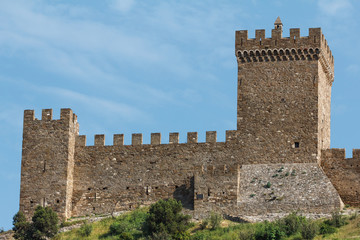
<point x="185" y="194"/>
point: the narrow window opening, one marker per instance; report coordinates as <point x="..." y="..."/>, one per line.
<point x="275" y="42"/>
<point x="294" y="39"/>
<point x="89" y="189"/>
<point x="209" y="192"/>
<point x="93" y="208"/>
<point x="44" y="169"/>
<point x="240" y="81"/>
<point x="296" y="144"/>
<point x="314" y="39"/>
<point x="95" y="197"/>
<point x="241" y="42"/>
<point x="44" y="202"/>
<point x="260" y="41"/>
<point x="58" y="201"/>
<point x="147" y="190"/>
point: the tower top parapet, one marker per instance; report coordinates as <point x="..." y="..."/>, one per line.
<point x="260" y="45"/>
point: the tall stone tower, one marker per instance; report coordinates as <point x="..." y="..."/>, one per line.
<point x="48" y="162"/>
<point x="284" y="94"/>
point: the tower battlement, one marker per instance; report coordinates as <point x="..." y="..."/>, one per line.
<point x="279" y="48"/>
<point x="47" y="115"/>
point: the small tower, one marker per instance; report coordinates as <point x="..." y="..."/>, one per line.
<point x="278" y="24"/>
<point x="47" y="164"/>
<point x="284" y="92"/>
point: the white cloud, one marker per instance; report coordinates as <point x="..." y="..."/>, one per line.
<point x="101" y="105"/>
<point x="122" y="5"/>
<point x="335" y="7"/>
<point x="353" y="68"/>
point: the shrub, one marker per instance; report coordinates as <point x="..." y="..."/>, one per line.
<point x="21" y="227"/>
<point x="292" y="223"/>
<point x="309" y="230"/>
<point x="118" y="228"/>
<point x="248" y="234"/>
<point x="165" y="217"/>
<point x="85" y="230"/>
<point x="267" y="185"/>
<point x="337" y="220"/>
<point x="126" y="236"/>
<point x="204" y="224"/>
<point x="1" y="230"/>
<point x="353" y="216"/>
<point x="326" y="229"/>
<point x="268" y="231"/>
<point x="44" y="224"/>
<point x="214" y="220"/>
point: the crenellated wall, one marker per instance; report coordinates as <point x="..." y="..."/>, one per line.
<point x="344" y="173"/>
<point x="283" y="124"/>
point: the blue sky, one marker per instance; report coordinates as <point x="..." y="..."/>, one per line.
<point x="129" y="66"/>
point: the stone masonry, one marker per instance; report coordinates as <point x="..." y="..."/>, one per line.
<point x="277" y="160"/>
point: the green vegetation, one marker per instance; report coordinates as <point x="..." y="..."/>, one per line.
<point x="267" y="185"/>
<point x="165" y="218"/>
<point x="135" y="225"/>
<point x="44" y="224"/>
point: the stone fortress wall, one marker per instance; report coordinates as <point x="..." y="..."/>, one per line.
<point x="268" y="166"/>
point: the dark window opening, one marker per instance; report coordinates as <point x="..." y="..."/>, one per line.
<point x="31" y="201"/>
<point x="176" y="186"/>
<point x="209" y="192"/>
<point x="156" y="187"/>
<point x="44" y="166"/>
<point x="297" y="144"/>
<point x="58" y="201"/>
<point x="89" y="189"/>
<point x="105" y="188"/>
<point x="127" y="188"/>
<point x="283" y="100"/>
<point x="147" y="190"/>
<point x="94" y="208"/>
<point x="199" y="196"/>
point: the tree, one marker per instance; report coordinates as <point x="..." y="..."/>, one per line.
<point x="165" y="217"/>
<point x="21" y="227"/>
<point x="44" y="224"/>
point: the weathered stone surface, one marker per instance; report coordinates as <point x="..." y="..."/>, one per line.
<point x="344" y="173"/>
<point x="283" y="122"/>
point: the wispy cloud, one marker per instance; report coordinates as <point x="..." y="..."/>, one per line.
<point x="122" y="5"/>
<point x="335" y="7"/>
<point x="109" y="107"/>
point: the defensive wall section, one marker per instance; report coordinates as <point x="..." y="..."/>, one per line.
<point x="205" y="176"/>
<point x="344" y="173"/>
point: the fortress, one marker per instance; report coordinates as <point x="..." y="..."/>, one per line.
<point x="278" y="160"/>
